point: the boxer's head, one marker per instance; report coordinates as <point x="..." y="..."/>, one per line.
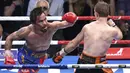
<point x="38" y="17"/>
<point x="101" y="9"/>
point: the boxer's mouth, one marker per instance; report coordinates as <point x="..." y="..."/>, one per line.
<point x="44" y="29"/>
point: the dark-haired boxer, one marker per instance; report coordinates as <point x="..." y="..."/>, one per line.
<point x="38" y="36"/>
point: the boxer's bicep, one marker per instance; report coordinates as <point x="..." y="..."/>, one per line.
<point x="21" y="33"/>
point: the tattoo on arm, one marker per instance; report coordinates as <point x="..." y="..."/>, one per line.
<point x="13" y="36"/>
<point x="19" y="33"/>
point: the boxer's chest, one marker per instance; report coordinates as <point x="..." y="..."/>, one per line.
<point x="39" y="38"/>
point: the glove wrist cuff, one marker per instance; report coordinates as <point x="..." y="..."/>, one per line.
<point x="63" y="52"/>
<point x="111" y="23"/>
<point x="8" y="53"/>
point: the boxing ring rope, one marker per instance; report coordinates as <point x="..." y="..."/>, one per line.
<point x="61" y="42"/>
<point x="68" y="66"/>
<point x="26" y="18"/>
<point x="55" y="42"/>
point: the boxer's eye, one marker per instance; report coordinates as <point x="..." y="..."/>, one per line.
<point x="41" y="21"/>
<point x="45" y="8"/>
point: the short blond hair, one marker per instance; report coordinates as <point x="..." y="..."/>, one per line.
<point x="42" y="1"/>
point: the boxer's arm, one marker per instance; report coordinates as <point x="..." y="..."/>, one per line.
<point x="21" y="33"/>
<point x="74" y="43"/>
<point x="8" y="44"/>
<point x="61" y="24"/>
<point x="118" y="33"/>
<point x="69" y="20"/>
<point x="57" y="58"/>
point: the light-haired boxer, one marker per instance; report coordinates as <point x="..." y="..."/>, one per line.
<point x="38" y="36"/>
<point x="97" y="37"/>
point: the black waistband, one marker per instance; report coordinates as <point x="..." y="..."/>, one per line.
<point x="92" y="60"/>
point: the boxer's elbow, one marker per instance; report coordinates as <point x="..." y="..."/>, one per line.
<point x="119" y="36"/>
<point x="9" y="38"/>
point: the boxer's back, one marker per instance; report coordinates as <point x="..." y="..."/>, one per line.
<point x="98" y="38"/>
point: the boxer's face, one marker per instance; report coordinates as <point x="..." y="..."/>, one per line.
<point x="42" y="21"/>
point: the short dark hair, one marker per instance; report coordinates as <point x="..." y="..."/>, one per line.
<point x="36" y="12"/>
<point x="102" y="8"/>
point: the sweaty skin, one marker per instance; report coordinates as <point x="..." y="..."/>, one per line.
<point x="97" y="37"/>
<point x="36" y="38"/>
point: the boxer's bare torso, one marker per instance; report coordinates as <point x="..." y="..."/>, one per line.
<point x="38" y="40"/>
<point x="98" y="37"/>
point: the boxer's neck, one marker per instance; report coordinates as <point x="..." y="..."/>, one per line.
<point x="102" y="19"/>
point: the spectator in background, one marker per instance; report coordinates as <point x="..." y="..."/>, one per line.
<point x="56" y="6"/>
<point x="33" y="3"/>
<point x="31" y="6"/>
<point x="43" y="3"/>
<point x="13" y="8"/>
<point x="25" y="6"/>
<point x="81" y="8"/>
<point x="123" y="9"/>
<point x="123" y="25"/>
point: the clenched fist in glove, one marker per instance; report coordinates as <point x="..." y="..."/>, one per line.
<point x="70" y="17"/>
<point x="111" y="23"/>
<point x="8" y="57"/>
<point x="57" y="58"/>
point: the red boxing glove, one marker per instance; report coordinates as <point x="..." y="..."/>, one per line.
<point x="70" y="17"/>
<point x="9" y="60"/>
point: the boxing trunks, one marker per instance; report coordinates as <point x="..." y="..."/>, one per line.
<point x="27" y="56"/>
<point x="87" y="59"/>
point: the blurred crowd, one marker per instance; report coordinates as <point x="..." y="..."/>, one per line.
<point x="58" y="8"/>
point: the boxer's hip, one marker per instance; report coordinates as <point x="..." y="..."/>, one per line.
<point x="91" y="59"/>
<point x="26" y="55"/>
<point x="87" y="59"/>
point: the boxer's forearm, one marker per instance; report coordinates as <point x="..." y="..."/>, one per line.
<point x="68" y="48"/>
<point x="62" y="24"/>
<point x="8" y="44"/>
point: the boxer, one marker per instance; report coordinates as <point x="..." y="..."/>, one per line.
<point x="97" y="36"/>
<point x="38" y="36"/>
